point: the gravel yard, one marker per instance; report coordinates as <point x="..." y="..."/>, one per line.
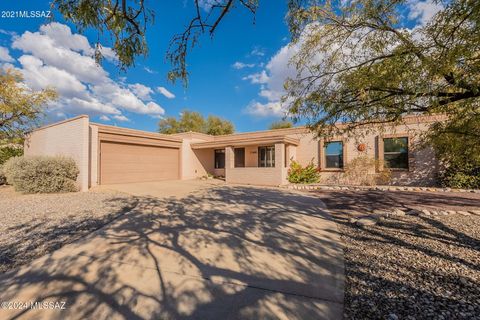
<point x="409" y="267"/>
<point x="33" y="225"/>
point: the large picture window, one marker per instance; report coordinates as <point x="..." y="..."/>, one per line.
<point x="333" y="155"/>
<point x="266" y="156"/>
<point x="220" y="159"/>
<point x="395" y="152"/>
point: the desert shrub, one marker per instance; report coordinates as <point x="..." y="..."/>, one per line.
<point x="462" y="177"/>
<point x="299" y="174"/>
<point x="41" y="174"/>
<point x="8" y="152"/>
<point x="364" y="171"/>
<point x="456" y="146"/>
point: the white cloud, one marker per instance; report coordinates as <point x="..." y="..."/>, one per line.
<point x="56" y="57"/>
<point x="423" y="11"/>
<point x="240" y="65"/>
<point x="269" y="109"/>
<point x="165" y="92"/>
<point x="121" y="118"/>
<point x="8" y="33"/>
<point x="271" y="80"/>
<point x="149" y="70"/>
<point x="257" y="51"/>
<point x="208" y="4"/>
<point x="142" y="91"/>
<point x="109" y="54"/>
<point x="6" y="66"/>
<point x="57" y="53"/>
<point x="5" y="55"/>
<point x="37" y="75"/>
<point x="259" y="77"/>
<point x="104" y="118"/>
<point x="91" y="104"/>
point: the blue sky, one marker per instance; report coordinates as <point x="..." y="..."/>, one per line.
<point x="237" y="75"/>
<point x="215" y="82"/>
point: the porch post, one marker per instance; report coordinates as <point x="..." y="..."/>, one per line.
<point x="280" y="163"/>
<point x="229" y="161"/>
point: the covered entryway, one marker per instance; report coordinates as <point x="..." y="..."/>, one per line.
<point x="124" y="163"/>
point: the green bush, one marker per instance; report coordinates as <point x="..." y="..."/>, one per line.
<point x="456" y="146"/>
<point x="466" y="177"/>
<point x="299" y="174"/>
<point x="41" y="174"/>
<point x="9" y="152"/>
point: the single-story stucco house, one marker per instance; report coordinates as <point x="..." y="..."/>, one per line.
<point x="111" y="155"/>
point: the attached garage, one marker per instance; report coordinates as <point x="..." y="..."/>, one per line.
<point x="126" y="158"/>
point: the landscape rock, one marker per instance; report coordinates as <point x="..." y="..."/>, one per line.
<point x="413" y="212"/>
<point x="369" y="221"/>
<point x="381" y="212"/>
<point x="392" y="316"/>
<point x="398" y="212"/>
<point x="426" y="212"/>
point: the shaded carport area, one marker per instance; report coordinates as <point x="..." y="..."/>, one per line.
<point x="221" y="253"/>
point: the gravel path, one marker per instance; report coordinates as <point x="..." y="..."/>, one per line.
<point x="409" y="267"/>
<point x="33" y="225"/>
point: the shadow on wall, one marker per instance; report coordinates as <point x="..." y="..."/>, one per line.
<point x="195" y="258"/>
<point x="423" y="171"/>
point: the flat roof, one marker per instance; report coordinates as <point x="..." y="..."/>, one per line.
<point x="240" y="142"/>
<point x="103" y="128"/>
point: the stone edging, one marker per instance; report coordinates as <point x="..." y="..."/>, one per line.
<point x="376" y="215"/>
<point x="374" y="188"/>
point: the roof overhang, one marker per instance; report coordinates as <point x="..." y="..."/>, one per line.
<point x="222" y="143"/>
<point x="116" y="134"/>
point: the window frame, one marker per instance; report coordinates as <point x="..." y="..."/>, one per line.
<point x="215" y="152"/>
<point x="323" y="155"/>
<point x="269" y="150"/>
<point x="381" y="151"/>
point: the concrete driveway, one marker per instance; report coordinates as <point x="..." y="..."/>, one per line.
<point x="221" y="253"/>
<point x="162" y="189"/>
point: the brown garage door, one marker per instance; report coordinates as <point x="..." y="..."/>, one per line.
<point x="124" y="163"/>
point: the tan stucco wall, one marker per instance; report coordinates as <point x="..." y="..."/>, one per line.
<point x="79" y="139"/>
<point x="253" y="175"/>
<point x="423" y="166"/>
<point x="93" y="133"/>
<point x="195" y="163"/>
<point x="68" y="138"/>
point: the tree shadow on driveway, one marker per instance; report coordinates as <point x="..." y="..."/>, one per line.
<point x="228" y="252"/>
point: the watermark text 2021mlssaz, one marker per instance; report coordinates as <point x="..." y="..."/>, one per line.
<point x="25" y="14"/>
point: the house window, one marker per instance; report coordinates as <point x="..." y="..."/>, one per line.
<point x="266" y="156"/>
<point x="395" y="152"/>
<point x="219" y="158"/>
<point x="239" y="157"/>
<point x="333" y="155"/>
